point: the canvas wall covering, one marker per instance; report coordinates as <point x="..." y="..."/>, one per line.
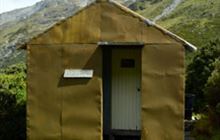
<point x="71" y="109"/>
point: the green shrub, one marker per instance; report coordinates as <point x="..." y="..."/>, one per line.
<point x="12" y="117"/>
<point x="208" y="128"/>
<point x="200" y="70"/>
<point x="13" y="103"/>
<point x="212" y="90"/>
<point x="212" y="94"/>
<point x="13" y="79"/>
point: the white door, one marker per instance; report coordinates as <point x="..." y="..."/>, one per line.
<point x="125" y="98"/>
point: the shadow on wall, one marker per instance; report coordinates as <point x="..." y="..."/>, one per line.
<point x="93" y="63"/>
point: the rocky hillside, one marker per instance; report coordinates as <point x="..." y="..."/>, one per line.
<point x="195" y="20"/>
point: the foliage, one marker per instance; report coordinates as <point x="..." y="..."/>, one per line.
<point x="208" y="128"/>
<point x="199" y="71"/>
<point x="204" y="131"/>
<point x="213" y="85"/>
<point x="12" y="117"/>
<point x="13" y="103"/>
<point x="212" y="94"/>
<point x="13" y="79"/>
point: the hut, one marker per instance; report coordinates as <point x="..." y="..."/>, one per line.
<point x="106" y="73"/>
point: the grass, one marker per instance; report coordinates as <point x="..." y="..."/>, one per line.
<point x="197" y="21"/>
<point x="151" y="9"/>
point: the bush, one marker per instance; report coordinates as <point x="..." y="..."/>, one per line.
<point x="13" y="79"/>
<point x="212" y="90"/>
<point x="13" y="103"/>
<point x="208" y="128"/>
<point x="212" y="94"/>
<point x="12" y="117"/>
<point x="200" y="70"/>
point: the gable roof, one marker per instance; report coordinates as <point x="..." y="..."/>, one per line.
<point x="186" y="44"/>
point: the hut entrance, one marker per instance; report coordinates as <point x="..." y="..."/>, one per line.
<point x="125" y="93"/>
<point x="124" y="100"/>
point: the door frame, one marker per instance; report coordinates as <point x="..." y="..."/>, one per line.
<point x="109" y="133"/>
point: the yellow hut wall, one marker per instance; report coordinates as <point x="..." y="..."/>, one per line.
<point x="72" y="109"/>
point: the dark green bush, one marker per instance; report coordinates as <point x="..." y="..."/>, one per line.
<point x="12" y="117"/>
<point x="212" y="94"/>
<point x="200" y="70"/>
<point x="208" y="128"/>
<point x="13" y="103"/>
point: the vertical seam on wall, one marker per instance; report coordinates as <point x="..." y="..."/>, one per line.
<point x="61" y="97"/>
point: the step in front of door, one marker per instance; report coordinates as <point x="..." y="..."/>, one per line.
<point x="126" y="134"/>
<point x="127" y="138"/>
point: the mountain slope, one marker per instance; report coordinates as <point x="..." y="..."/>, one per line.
<point x="198" y="21"/>
<point x="150" y="8"/>
<point x="169" y="9"/>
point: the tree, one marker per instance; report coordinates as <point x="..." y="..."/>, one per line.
<point x="13" y="103"/>
<point x="212" y="94"/>
<point x="208" y="128"/>
<point x="12" y="117"/>
<point x="199" y="71"/>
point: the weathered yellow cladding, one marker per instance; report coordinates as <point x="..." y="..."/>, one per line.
<point x="83" y="27"/>
<point x="43" y="102"/>
<point x="102" y="22"/>
<point x="162" y="92"/>
<point x="61" y="108"/>
<point x="72" y="109"/>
